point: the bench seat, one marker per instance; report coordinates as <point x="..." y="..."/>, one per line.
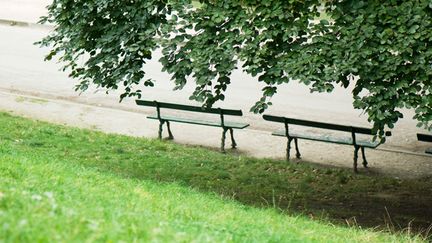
<point x="328" y="138"/>
<point x="348" y="138"/>
<point x="221" y="113"/>
<point x="227" y="124"/>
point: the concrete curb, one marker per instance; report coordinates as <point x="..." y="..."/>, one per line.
<point x="18" y="23"/>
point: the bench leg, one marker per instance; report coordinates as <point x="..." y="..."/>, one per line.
<point x="170" y="135"/>
<point x="365" y="163"/>
<point x="288" y="149"/>
<point x="356" y="158"/>
<point x="160" y="129"/>
<point x="223" y="139"/>
<point x="298" y="155"/>
<point x="233" y="142"/>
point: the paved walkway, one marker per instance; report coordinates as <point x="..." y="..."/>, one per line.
<point x="23" y="10"/>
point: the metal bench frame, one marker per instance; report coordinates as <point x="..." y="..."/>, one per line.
<point x="329" y="126"/>
<point x="221" y="112"/>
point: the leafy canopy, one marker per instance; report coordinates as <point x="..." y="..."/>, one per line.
<point x="383" y="49"/>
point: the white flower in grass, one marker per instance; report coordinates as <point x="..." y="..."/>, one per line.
<point x="36" y="197"/>
<point x="49" y="195"/>
<point x="22" y="223"/>
<point x="51" y="199"/>
<point x="93" y="225"/>
<point x="6" y="226"/>
<point x="69" y="212"/>
<point x="157" y="230"/>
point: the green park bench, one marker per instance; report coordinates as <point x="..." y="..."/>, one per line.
<point x="425" y="138"/>
<point x="358" y="143"/>
<point x="225" y="125"/>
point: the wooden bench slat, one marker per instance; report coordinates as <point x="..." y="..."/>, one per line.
<point x="328" y="138"/>
<point x="322" y="125"/>
<point x="189" y="108"/>
<point x="424" y="137"/>
<point x="228" y="124"/>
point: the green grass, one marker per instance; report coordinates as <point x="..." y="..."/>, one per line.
<point x="65" y="184"/>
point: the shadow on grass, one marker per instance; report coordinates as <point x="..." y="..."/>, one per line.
<point x="333" y="194"/>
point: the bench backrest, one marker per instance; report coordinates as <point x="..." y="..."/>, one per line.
<point x="424" y="137"/>
<point x="189" y="108"/>
<point x="322" y="125"/>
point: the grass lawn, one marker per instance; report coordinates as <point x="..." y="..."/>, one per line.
<point x="66" y="184"/>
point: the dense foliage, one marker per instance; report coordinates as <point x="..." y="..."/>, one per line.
<point x="380" y="49"/>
